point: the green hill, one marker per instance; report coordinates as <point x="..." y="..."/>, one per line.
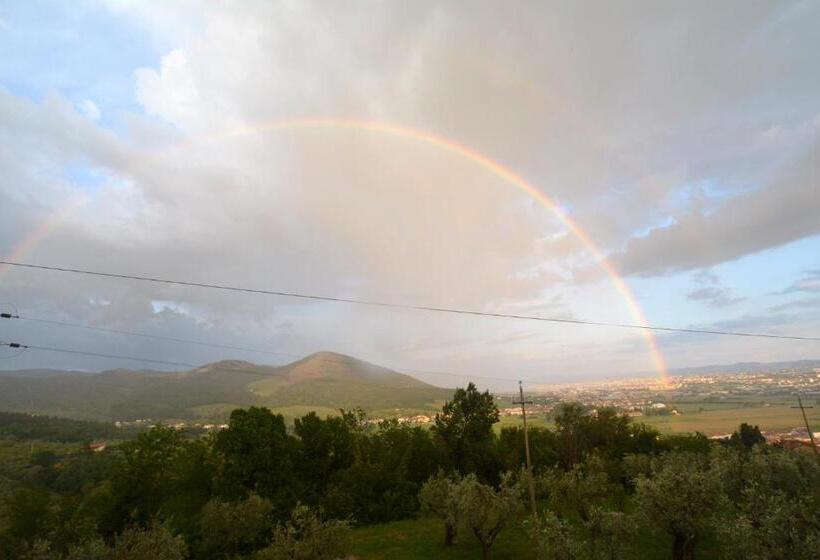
<point x="324" y="382"/>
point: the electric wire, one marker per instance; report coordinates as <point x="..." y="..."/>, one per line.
<point x="374" y="303"/>
<point x="94" y="354"/>
<point x="239" y="348"/>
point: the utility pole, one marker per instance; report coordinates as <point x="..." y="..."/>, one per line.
<point x="523" y="404"/>
<point x="808" y="428"/>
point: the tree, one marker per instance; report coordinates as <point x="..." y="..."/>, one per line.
<point x="486" y="511"/>
<point x="570" y="425"/>
<point x="583" y="488"/>
<point x="465" y="427"/>
<point x="608" y="534"/>
<point x="553" y="537"/>
<point x="29" y="514"/>
<point x="775" y="505"/>
<point x="746" y="437"/>
<point x="543" y="448"/>
<point x="234" y="528"/>
<point x="257" y="457"/>
<point x="306" y="536"/>
<point x="438" y="496"/>
<point x="681" y="498"/>
<point x="603" y="537"/>
<point x="154" y="542"/>
<point x="45" y="458"/>
<point x="142" y="479"/>
<point x="325" y="448"/>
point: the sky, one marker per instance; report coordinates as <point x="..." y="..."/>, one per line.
<point x="149" y="138"/>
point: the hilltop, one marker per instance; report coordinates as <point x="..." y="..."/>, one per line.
<point x="325" y="382"/>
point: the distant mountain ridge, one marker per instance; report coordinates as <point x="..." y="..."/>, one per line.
<point x="325" y="382"/>
<point x="740" y="367"/>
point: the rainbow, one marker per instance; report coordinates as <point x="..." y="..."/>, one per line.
<point x="53" y="221"/>
<point x="452" y="147"/>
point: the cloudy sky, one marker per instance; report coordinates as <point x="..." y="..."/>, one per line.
<point x="146" y="138"/>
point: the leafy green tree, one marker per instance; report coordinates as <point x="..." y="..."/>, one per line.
<point x="768" y="526"/>
<point x="438" y="496"/>
<point x="682" y="497"/>
<point x="580" y="432"/>
<point x="390" y="464"/>
<point x="608" y="534"/>
<point x="571" y="421"/>
<point x="583" y="488"/>
<point x="45" y="458"/>
<point x="153" y="542"/>
<point x="38" y="550"/>
<point x="326" y="447"/>
<point x="194" y="473"/>
<point x="234" y="528"/>
<point x="257" y="456"/>
<point x="486" y="511"/>
<point x="91" y="549"/>
<point x="306" y="536"/>
<point x="775" y="503"/>
<point x="29" y="514"/>
<point x="543" y="448"/>
<point x="553" y="537"/>
<point x="142" y="480"/>
<point x="688" y="443"/>
<point x="465" y="427"/>
<point x="746" y="437"/>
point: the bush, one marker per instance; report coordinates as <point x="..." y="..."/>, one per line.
<point x="307" y="537"/>
<point x="152" y="543"/>
<point x="230" y="528"/>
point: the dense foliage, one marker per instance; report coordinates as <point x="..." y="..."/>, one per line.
<point x="264" y="489"/>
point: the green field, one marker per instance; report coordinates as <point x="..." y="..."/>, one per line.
<point x="714" y="419"/>
<point x="422" y="538"/>
<point x="722" y="420"/>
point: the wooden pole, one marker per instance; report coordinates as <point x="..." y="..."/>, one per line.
<point x="531" y="482"/>
<point x="808" y="428"/>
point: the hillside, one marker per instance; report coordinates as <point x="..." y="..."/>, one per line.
<point x="324" y="381"/>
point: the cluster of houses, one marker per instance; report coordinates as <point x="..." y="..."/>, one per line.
<point x="793" y="439"/>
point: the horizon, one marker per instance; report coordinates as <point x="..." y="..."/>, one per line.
<point x="532" y="386"/>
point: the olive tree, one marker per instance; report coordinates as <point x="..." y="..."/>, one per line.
<point x="775" y="504"/>
<point x="486" y="511"/>
<point x="681" y="498"/>
<point x="154" y="542"/>
<point x="605" y="535"/>
<point x="438" y="496"/>
<point x="306" y="536"/>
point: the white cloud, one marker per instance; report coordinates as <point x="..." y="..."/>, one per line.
<point x="89" y="109"/>
<point x="612" y="111"/>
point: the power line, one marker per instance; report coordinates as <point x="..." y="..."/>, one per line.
<point x="94" y="354"/>
<point x="390" y="305"/>
<point x="231" y="347"/>
<point x="151" y="336"/>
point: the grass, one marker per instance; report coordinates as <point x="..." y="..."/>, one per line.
<point x="726" y="420"/>
<point x="423" y="538"/>
<point x="297" y="411"/>
<point x="714" y="419"/>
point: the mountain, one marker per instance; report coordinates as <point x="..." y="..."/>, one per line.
<point x="747" y="367"/>
<point x="324" y="382"/>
